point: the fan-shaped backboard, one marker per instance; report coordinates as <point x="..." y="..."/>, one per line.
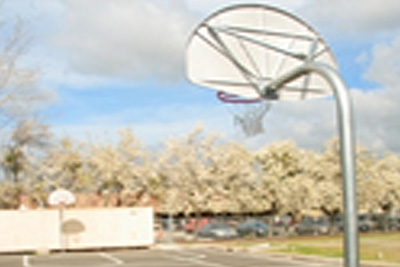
<point x="241" y="49"/>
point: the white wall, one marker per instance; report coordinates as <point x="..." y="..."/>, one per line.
<point x="81" y="228"/>
<point x="27" y="230"/>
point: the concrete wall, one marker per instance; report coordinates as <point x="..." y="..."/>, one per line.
<point x="75" y="228"/>
<point x="27" y="230"/>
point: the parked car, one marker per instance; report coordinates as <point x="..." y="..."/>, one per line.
<point x="253" y="228"/>
<point x="387" y="222"/>
<point x="394" y="223"/>
<point x="193" y="224"/>
<point x="217" y="230"/>
<point x="311" y="226"/>
<point x="282" y="227"/>
<point x="366" y="223"/>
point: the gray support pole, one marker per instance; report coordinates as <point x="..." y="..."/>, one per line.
<point x="61" y="208"/>
<point x="347" y="150"/>
<point x="170" y="228"/>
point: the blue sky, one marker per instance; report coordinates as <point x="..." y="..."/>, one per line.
<point x="120" y="63"/>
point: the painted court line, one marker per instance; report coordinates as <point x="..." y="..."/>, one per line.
<point x="291" y="262"/>
<point x="111" y="258"/>
<point x="199" y="262"/>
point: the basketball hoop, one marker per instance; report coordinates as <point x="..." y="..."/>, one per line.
<point x="248" y="113"/>
<point x="246" y="48"/>
<point x="258" y="51"/>
<point x="61" y="197"/>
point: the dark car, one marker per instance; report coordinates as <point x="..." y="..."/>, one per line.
<point x="253" y="228"/>
<point x="217" y="230"/>
<point x="387" y="223"/>
<point x="318" y="226"/>
<point x="394" y="223"/>
<point x="366" y="223"/>
<point x="193" y="224"/>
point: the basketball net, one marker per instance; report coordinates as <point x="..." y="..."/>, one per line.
<point x="250" y="117"/>
<point x="248" y="113"/>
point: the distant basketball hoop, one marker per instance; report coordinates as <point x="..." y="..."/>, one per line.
<point x="61" y="197"/>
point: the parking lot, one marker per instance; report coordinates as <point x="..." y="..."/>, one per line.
<point x="177" y="257"/>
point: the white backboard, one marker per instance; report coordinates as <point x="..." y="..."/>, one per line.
<point x="61" y="197"/>
<point x="241" y="49"/>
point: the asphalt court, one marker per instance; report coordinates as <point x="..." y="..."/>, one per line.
<point x="155" y="258"/>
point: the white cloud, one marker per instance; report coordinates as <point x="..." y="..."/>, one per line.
<point x="122" y="38"/>
<point x="111" y="39"/>
<point x="385" y="67"/>
<point x="378" y="110"/>
<point x="309" y="123"/>
<point x="354" y="17"/>
<point x="377" y="119"/>
<point x="131" y="39"/>
<point x="376" y="24"/>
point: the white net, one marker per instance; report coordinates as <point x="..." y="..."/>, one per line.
<point x="250" y="117"/>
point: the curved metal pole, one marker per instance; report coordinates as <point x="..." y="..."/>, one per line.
<point x="347" y="150"/>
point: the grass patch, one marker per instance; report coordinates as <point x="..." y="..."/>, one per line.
<point x="333" y="252"/>
<point x="376" y="247"/>
<point x="319" y="246"/>
<point x="383" y="247"/>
